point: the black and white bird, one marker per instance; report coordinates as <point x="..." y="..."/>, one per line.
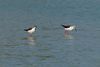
<point x="31" y="29"/>
<point x="69" y="27"/>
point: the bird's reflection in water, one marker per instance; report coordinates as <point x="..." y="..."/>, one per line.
<point x="68" y="36"/>
<point x="31" y="40"/>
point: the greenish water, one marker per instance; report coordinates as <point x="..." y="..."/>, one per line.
<point x="49" y="47"/>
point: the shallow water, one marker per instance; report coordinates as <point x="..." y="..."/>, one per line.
<point x="49" y="46"/>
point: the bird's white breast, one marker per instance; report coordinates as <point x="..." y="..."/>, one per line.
<point x="32" y="30"/>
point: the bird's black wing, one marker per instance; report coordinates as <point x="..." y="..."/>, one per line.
<point x="27" y="29"/>
<point x="66" y="26"/>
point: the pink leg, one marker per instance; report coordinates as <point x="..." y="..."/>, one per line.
<point x="66" y="32"/>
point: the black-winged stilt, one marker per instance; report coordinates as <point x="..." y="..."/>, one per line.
<point x="31" y="29"/>
<point x="68" y="28"/>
